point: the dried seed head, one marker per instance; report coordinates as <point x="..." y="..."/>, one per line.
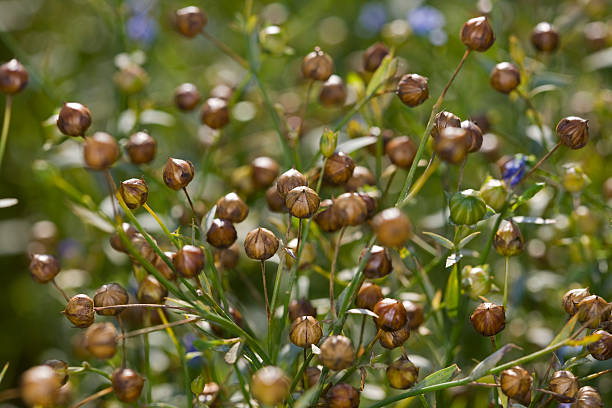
<point x="190" y="21"/>
<point x="467" y="207"/>
<point x="111" y="294"/>
<point x="215" y="113"/>
<point x="371" y="203"/>
<point x="374" y="55"/>
<point x="494" y="192"/>
<point x="368" y="296"/>
<point x="39" y="386"/>
<point x="477" y="34"/>
<point x="80" y="311"/>
<point x="412" y="89"/>
<point x="178" y="173"/>
<point x="163" y="267"/>
<point x="270" y="385"/>
<point x="189" y="261"/>
<point x="574" y="178"/>
<point x="474" y="135"/>
<point x="333" y="92"/>
<point x="415" y="314"/>
<point x="342" y="396"/>
<point x="564" y="383"/>
<point x="350" y="209"/>
<point x="312" y="376"/>
<point x="573" y="132"/>
<point x="186" y="97"/>
<point x="231" y="207"/>
<point x="151" y="291"/>
<point x="516" y="383"/>
<point x="221" y="233"/>
<point x="392" y="227"/>
<point x="488" y="319"/>
<point x="505" y="77"/>
<point x="100" y="151"/>
<point x="508" y="240"/>
<point x="264" y="171"/>
<point x="115" y="240"/>
<point x="141" y="148"/>
<point x="101" y="340"/>
<point x="391" y="314"/>
<point x="134" y="192"/>
<point x="402" y="374"/>
<point x="452" y="145"/>
<point x="290" y="180"/>
<point x="74" y="119"/>
<point x="304" y="331"/>
<point x="338" y="168"/>
<point x="275" y="202"/>
<point x="44" y="268"/>
<point x="602" y="348"/>
<point x="328" y="219"/>
<point x="544" y="37"/>
<point x="379" y="263"/>
<point x="394" y="338"/>
<point x="362" y="176"/>
<point x="572" y="298"/>
<point x="317" y="65"/>
<point x="227" y="258"/>
<point x="401" y="151"/>
<point x="13" y="77"/>
<point x="61" y="369"/>
<point x="476" y="280"/>
<point x="127" y="384"/>
<point x="587" y="397"/>
<point x="302" y="202"/>
<point x="443" y="120"/>
<point x="593" y="309"/>
<point x="261" y="244"/>
<point x="301" y="307"/>
<point x="337" y="353"/>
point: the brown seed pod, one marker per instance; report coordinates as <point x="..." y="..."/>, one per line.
<point x="80" y="311"/>
<point x="488" y="319"/>
<point x="163" y="267"/>
<point x="328" y="219"/>
<point x="44" y="268"/>
<point x="544" y="37"/>
<point x="563" y="382"/>
<point x="74" y="119"/>
<point x="290" y="180"/>
<point x="13" y="77"/>
<point x="100" y="151"/>
<point x="573" y="131"/>
<point x="222" y="91"/>
<point x="301" y="307"/>
<point x="379" y="263"/>
<point x="215" y="113"/>
<point x="391" y="314"/>
<point x="190" y="21"/>
<point x="111" y="294"/>
<point x="587" y="397"/>
<point x="371" y="203"/>
<point x="189" y="261"/>
<point x="374" y="55"/>
<point x="131" y="78"/>
<point x="304" y="331"/>
<point x="312" y="376"/>
<point x="270" y="385"/>
<point x="178" y="173"/>
<point x="61" y="369"/>
<point x="39" y="386"/>
<point x="401" y="151"/>
<point x="362" y="176"/>
<point x="413" y="90"/>
<point x="368" y="296"/>
<point x="508" y="239"/>
<point x="350" y="209"/>
<point x="593" y="309"/>
<point x="342" y="396"/>
<point x="333" y="92"/>
<point x="115" y="240"/>
<point x="101" y="340"/>
<point x="127" y="384"/>
<point x="317" y="65"/>
<point x="141" y="148"/>
<point x="415" y="314"/>
<point x="474" y="135"/>
<point x="572" y="298"/>
<point x="505" y="77"/>
<point x="452" y="145"/>
<point x="302" y="202"/>
<point x="227" y="258"/>
<point x="444" y="120"/>
<point x="516" y="383"/>
<point x="231" y="207"/>
<point x="337" y="353"/>
<point x="143" y="248"/>
<point x="392" y="227"/>
<point x="151" y="291"/>
<point x="338" y="168"/>
<point x="261" y="244"/>
<point x="264" y="171"/>
<point x="186" y="97"/>
<point x="221" y="233"/>
<point x="134" y="192"/>
<point x="275" y="202"/>
<point x="395" y="338"/>
<point x="209" y="394"/>
<point x="402" y="374"/>
<point x="477" y="34"/>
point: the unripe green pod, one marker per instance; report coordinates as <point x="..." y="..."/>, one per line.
<point x="273" y="39"/>
<point x="494" y="192"/>
<point x="573" y="177"/>
<point x="476" y="280"/>
<point x="467" y="207"/>
<point x="328" y="142"/>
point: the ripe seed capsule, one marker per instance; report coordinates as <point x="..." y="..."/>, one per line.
<point x="231" y="207"/>
<point x="467" y="207"/>
<point x="270" y="385"/>
<point x="516" y="383"/>
<point x="474" y="135"/>
<point x="342" y="396"/>
<point x="13" y="77"/>
<point x="505" y="77"/>
<point x="264" y="171"/>
<point x="488" y="319"/>
<point x="350" y="209"/>
<point x="395" y="338"/>
<point x="227" y="258"/>
<point x="304" y="331"/>
<point x="544" y="37"/>
<point x="312" y="376"/>
<point x="572" y="298"/>
<point x="61" y="369"/>
<point x="261" y="244"/>
<point x="337" y="353"/>
<point x="443" y="120"/>
<point x="302" y="202"/>
<point x="101" y="340"/>
<point x="100" y="151"/>
<point x="338" y="168"/>
<point x="415" y="314"/>
<point x="602" y="348"/>
<point x="402" y="374"/>
<point x="452" y="144"/>
<point x="190" y="21"/>
<point x="401" y="151"/>
<point x="391" y="314"/>
<point x="189" y="261"/>
<point x="186" y="97"/>
<point x="593" y="309"/>
<point x="379" y="263"/>
<point x="178" y="173"/>
<point x="39" y="386"/>
<point x="134" y="192"/>
<point x="221" y="233"/>
<point x="362" y="176"/>
<point x="301" y="307"/>
<point x="477" y="34"/>
<point x="151" y="291"/>
<point x="508" y="240"/>
<point x="275" y="202"/>
<point x="317" y="65"/>
<point x="368" y="296"/>
<point x="141" y="148"/>
<point x="44" y="268"/>
<point x="80" y="311"/>
<point x="333" y="92"/>
<point x="565" y="383"/>
<point x="374" y="55"/>
<point x="413" y="90"/>
<point x="74" y="119"/>
<point x="111" y="294"/>
<point x="587" y="397"/>
<point x="371" y="203"/>
<point x="215" y="113"/>
<point x="328" y="219"/>
<point x="127" y="384"/>
<point x="290" y="180"/>
<point x="573" y="131"/>
<point x="115" y="240"/>
<point x="392" y="227"/>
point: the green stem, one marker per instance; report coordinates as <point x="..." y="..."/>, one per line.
<point x="332" y="273"/>
<point x="506" y="282"/>
<point x="161" y="224"/>
<point x="147" y="362"/>
<point x="5" y="126"/>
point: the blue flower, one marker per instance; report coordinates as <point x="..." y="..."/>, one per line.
<point x="372" y="17"/>
<point x="141" y="28"/>
<point x="425" y="19"/>
<point x="514" y="169"/>
<point x="187" y="341"/>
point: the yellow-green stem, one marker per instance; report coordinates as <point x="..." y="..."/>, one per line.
<point x="5" y="127"/>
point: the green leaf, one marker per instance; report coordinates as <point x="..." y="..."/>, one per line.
<point x="439" y="377"/>
<point x="3" y="372"/>
<point x="362" y="312"/>
<point x="543" y="88"/>
<point x="304" y="400"/>
<point x="445" y="242"/>
<point x="355" y="144"/>
<point x="467" y="239"/>
<point x="451" y="296"/>
<point x="208" y="219"/>
<point x="386" y="70"/>
<point x="197" y="385"/>
<point x="565" y="332"/>
<point x="91" y="218"/>
<point x="527" y="195"/>
<point x="232" y="355"/>
<point x="488" y="363"/>
<point x="585" y="341"/>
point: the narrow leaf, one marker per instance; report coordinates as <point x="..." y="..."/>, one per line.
<point x="210" y="216"/>
<point x="488" y="363"/>
<point x="362" y="312"/>
<point x="467" y="239"/>
<point x="586" y="340"/>
<point x="445" y="242"/>
<point x="451" y="298"/>
<point x="533" y="220"/>
<point x="3" y="372"/>
<point x="566" y="331"/>
<point x="91" y="218"/>
<point x="355" y="144"/>
<point x="439" y="377"/>
<point x="232" y="355"/>
<point x="528" y="195"/>
<point x="385" y="70"/>
<point x="304" y="400"/>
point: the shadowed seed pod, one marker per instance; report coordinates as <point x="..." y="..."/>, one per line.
<point x="151" y="291"/>
<point x="401" y="151"/>
<point x="290" y="180"/>
<point x="143" y="248"/>
<point x="227" y="258"/>
<point x="368" y="296"/>
<point x="602" y="348"/>
<point x="231" y="207"/>
<point x="221" y="233"/>
<point x="13" y="77"/>
<point x="61" y="369"/>
<point x="476" y="280"/>
<point x="337" y="353"/>
<point x="505" y="77"/>
<point x="544" y="37"/>
<point x="516" y="383"/>
<point x="412" y="89"/>
<point x="394" y="338"/>
<point x="101" y="340"/>
<point x="414" y="313"/>
<point x="270" y="385"/>
<point x="328" y="219"/>
<point x="178" y="173"/>
<point x="494" y="192"/>
<point x="593" y="309"/>
<point x="508" y="239"/>
<point x="362" y="176"/>
<point x="100" y="151"/>
<point x="371" y="203"/>
<point x="452" y="145"/>
<point x="573" y="179"/>
<point x="115" y="240"/>
<point x="563" y="382"/>
<point x="127" y="384"/>
<point x="477" y="34"/>
<point x="392" y="227"/>
<point x="572" y="298"/>
<point x="444" y="120"/>
<point x="39" y="386"/>
<point x="474" y="135"/>
<point x="275" y="202"/>
<point x="317" y="65"/>
<point x="163" y="267"/>
<point x="111" y="294"/>
<point x="488" y="319"/>
<point x="402" y="374"/>
<point x="80" y="311"/>
<point x="131" y="78"/>
<point x="302" y="202"/>
<point x="374" y="55"/>
<point x="338" y="168"/>
<point x="260" y="244"/>
<point x="333" y="92"/>
<point x="44" y="268"/>
<point x="189" y="261"/>
<point x="141" y="148"/>
<point x="391" y="314"/>
<point x="350" y="209"/>
<point x="74" y="119"/>
<point x="304" y="331"/>
<point x="134" y="192"/>
<point x="264" y="171"/>
<point x="467" y="207"/>
<point x="186" y="97"/>
<point x="215" y="113"/>
<point x="587" y="397"/>
<point x="342" y="395"/>
<point x="573" y="131"/>
<point x="312" y="376"/>
<point x="379" y="263"/>
<point x="190" y="21"/>
<point x="301" y="307"/>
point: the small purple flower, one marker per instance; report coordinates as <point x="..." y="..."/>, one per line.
<point x="372" y="17"/>
<point x="425" y="19"/>
<point x="187" y="341"/>
<point x="514" y="169"/>
<point x="141" y="27"/>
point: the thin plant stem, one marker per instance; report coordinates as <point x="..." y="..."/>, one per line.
<point x="461" y="170"/>
<point x="161" y="224"/>
<point x="112" y="190"/>
<point x="432" y="165"/>
<point x="147" y="356"/>
<point x="332" y="273"/>
<point x="299" y="236"/>
<point x="179" y="350"/>
<point x="391" y="177"/>
<point x="538" y="164"/>
<point x="595" y="375"/>
<point x="193" y="211"/>
<point x="93" y="397"/>
<point x="145" y="305"/>
<point x="122" y="328"/>
<point x="361" y="331"/>
<point x="265" y="288"/>
<point x="225" y="49"/>
<point x="506" y="282"/>
<point x="159" y="327"/>
<point x="5" y="126"/>
<point x="60" y="290"/>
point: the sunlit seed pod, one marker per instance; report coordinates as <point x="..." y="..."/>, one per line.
<point x="467" y="207"/>
<point x="516" y="383"/>
<point x="371" y="202"/>
<point x="368" y="296"/>
<point x="338" y="168"/>
<point x="304" y="331"/>
<point x="401" y="151"/>
<point x="602" y="348"/>
<point x="342" y="396"/>
<point x="100" y="151"/>
<point x="505" y="77"/>
<point x="189" y="261"/>
<point x="227" y="258"/>
<point x="39" y="386"/>
<point x="134" y="192"/>
<point x="573" y="178"/>
<point x="508" y="239"/>
<point x="443" y="120"/>
<point x="413" y="90"/>
<point x="350" y="209"/>
<point x="151" y="291"/>
<point x="61" y="369"/>
<point x="385" y="134"/>
<point x="452" y="145"/>
<point x="488" y="319"/>
<point x="474" y="135"/>
<point x="302" y="202"/>
<point x="80" y="311"/>
<point x="275" y="202"/>
<point x="477" y="34"/>
<point x="374" y="55"/>
<point x="221" y="233"/>
<point x="186" y="97"/>
<point x="215" y="113"/>
<point x="593" y="309"/>
<point x="587" y="397"/>
<point x="141" y="148"/>
<point x="290" y="180"/>
<point x="573" y="131"/>
<point x="328" y="218"/>
<point x="178" y="173"/>
<point x="395" y="338"/>
<point x="111" y="294"/>
<point x="13" y="77"/>
<point x="270" y="385"/>
<point x="231" y="207"/>
<point x="337" y="352"/>
<point x="572" y="298"/>
<point x="301" y="307"/>
<point x="317" y="65"/>
<point x="333" y="92"/>
<point x="544" y="37"/>
<point x="476" y="280"/>
<point x="261" y="244"/>
<point x="163" y="267"/>
<point x="127" y="384"/>
<point x="391" y="314"/>
<point x="494" y="192"/>
<point x="74" y="119"/>
<point x="101" y="340"/>
<point x="264" y="171"/>
<point x="115" y="240"/>
<point x="44" y="268"/>
<point x="379" y="263"/>
<point x="362" y="176"/>
<point x="415" y="314"/>
<point x="565" y="383"/>
<point x="402" y="374"/>
<point x="144" y="249"/>
<point x="190" y="21"/>
<point x="392" y="227"/>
